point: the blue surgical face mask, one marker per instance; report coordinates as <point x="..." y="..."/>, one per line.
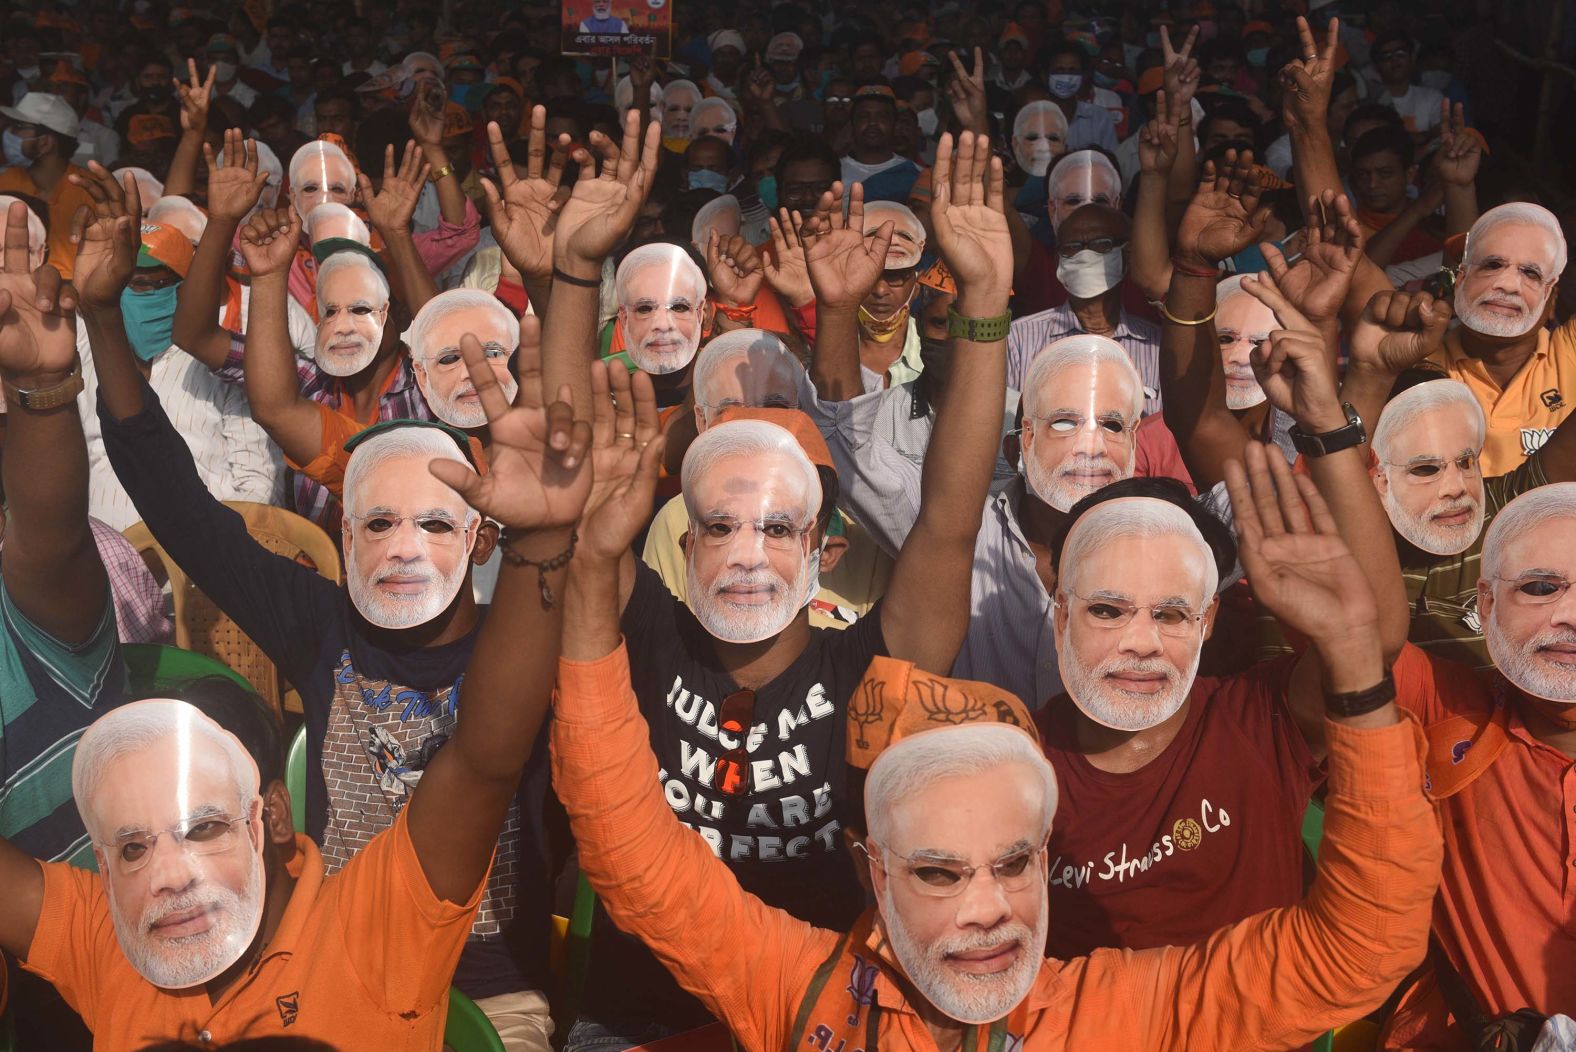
<point x="150" y="320"/>
<point x="1064" y="85"/>
<point x="1251" y="259"/>
<point x="766" y="189"/>
<point x="704" y="179"/>
<point x="1258" y="56"/>
<point x="14" y="154"/>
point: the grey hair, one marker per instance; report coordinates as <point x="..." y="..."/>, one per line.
<point x="181" y="214"/>
<point x="1039" y="106"/>
<point x="754" y="350"/>
<point x="747" y="438"/>
<point x="682" y="84"/>
<point x="658" y="254"/>
<point x="352" y="260"/>
<point x="142" y="725"/>
<point x="714" y="103"/>
<point x="452" y="302"/>
<point x="1416" y="402"/>
<point x="706" y="218"/>
<point x="915" y="763"/>
<point x="319" y="151"/>
<point x="425" y="442"/>
<point x="1228" y="288"/>
<point x="1528" y="511"/>
<point x="903" y="219"/>
<point x="1082" y="348"/>
<point x="1139" y="517"/>
<point x="1519" y="212"/>
<point x="335" y="210"/>
<point x="1084" y="161"/>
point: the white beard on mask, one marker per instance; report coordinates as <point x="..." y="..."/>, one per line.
<point x="1068" y="482"/>
<point x="344" y="361"/>
<point x="1243" y="390"/>
<point x="1034" y="157"/>
<point x="1475" y="317"/>
<point x="673" y="351"/>
<point x="1424" y="533"/>
<point x="1521" y="664"/>
<point x="406" y="610"/>
<point x="1110" y="706"/>
<point x="457" y="411"/>
<point x="733" y="623"/>
<point x="963" y="996"/>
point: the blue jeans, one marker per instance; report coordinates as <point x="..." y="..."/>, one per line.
<point x="590" y="1035"/>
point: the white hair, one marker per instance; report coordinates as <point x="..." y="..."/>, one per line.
<point x="37" y="236"/>
<point x="915" y="763"/>
<point x="1136" y="517"/>
<point x="659" y="254"/>
<point x="1096" y="352"/>
<point x="334" y="210"/>
<point x="181" y="214"/>
<point x="141" y="725"/>
<point x="267" y="161"/>
<point x="746" y="438"/>
<point x="424" y="441"/>
<point x="708" y="214"/>
<point x="903" y="218"/>
<point x="757" y="350"/>
<point x="1228" y="288"/>
<point x="1083" y="164"/>
<point x="1520" y="212"/>
<point x="706" y="105"/>
<point x="149" y="186"/>
<point x="317" y="152"/>
<point x="1416" y="402"/>
<point x="352" y="260"/>
<point x="1528" y="511"/>
<point x="1039" y="107"/>
<point x="452" y="302"/>
<point x="679" y="85"/>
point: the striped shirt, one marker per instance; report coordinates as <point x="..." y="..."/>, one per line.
<point x="139" y="601"/>
<point x="1139" y="338"/>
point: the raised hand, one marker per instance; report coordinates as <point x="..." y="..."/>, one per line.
<point x="626" y="448"/>
<point x="969" y="217"/>
<point x="426" y="114"/>
<point x="787" y="271"/>
<point x="602" y="210"/>
<point x="1398" y="330"/>
<point x="966" y="93"/>
<point x="734" y="268"/>
<point x="108" y="236"/>
<point x="1460" y="151"/>
<point x="196" y="97"/>
<point x="1181" y="68"/>
<point x="1292" y="551"/>
<point x="1295" y="366"/>
<point x="531" y="483"/>
<point x="38" y="334"/>
<point x="844" y="264"/>
<point x="234" y="189"/>
<point x="269" y="240"/>
<point x="758" y="86"/>
<point x="391" y="208"/>
<point x="1157" y="140"/>
<point x="1224" y="216"/>
<point x="642" y="74"/>
<point x="524" y="212"/>
<point x="1317" y="283"/>
<point x="1306" y="83"/>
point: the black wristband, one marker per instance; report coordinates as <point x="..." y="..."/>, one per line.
<point x="543" y="566"/>
<point x="583" y="283"/>
<point x="1359" y="702"/>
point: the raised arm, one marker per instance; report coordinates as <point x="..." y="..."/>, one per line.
<point x="844" y="267"/>
<point x="1396" y="331"/>
<point x="273" y="386"/>
<point x="457" y="811"/>
<point x="926" y="609"/>
<point x="1456" y="167"/>
<point x="196" y="97"/>
<point x="426" y="125"/>
<point x="1150" y="249"/>
<point x="1182" y="78"/>
<point x="232" y="193"/>
<point x="390" y="210"/>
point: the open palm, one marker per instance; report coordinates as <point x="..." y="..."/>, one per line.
<point x="1224" y="216"/>
<point x="234" y="189"/>
<point x="844" y="264"/>
<point x="524" y="212"/>
<point x="32" y="341"/>
<point x="968" y="217"/>
<point x="626" y="447"/>
<point x="601" y="211"/>
<point x="109" y="236"/>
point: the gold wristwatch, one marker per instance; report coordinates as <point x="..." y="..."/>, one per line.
<point x="50" y="397"/>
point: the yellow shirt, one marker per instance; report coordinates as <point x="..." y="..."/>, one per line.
<point x="1523" y="414"/>
<point x="848" y="591"/>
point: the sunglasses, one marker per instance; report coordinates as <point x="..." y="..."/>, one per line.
<point x="732" y="774"/>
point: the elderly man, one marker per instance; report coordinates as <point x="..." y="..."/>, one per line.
<point x="434" y="342"/>
<point x="662" y="306"/>
<point x="957" y="826"/>
<point x="39" y="142"/>
<point x="1523" y="374"/>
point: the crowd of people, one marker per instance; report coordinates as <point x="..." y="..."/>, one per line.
<point x="1012" y="525"/>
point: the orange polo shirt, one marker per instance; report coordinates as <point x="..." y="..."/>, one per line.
<point x="327" y="469"/>
<point x="1506" y="912"/>
<point x="62" y="209"/>
<point x="361" y="959"/>
<point x="1523" y="414"/>
<point x="1275" y="980"/>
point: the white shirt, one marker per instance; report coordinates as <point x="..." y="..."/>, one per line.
<point x="1419" y="107"/>
<point x="235" y="458"/>
<point x="240" y="93"/>
<point x="95" y="142"/>
<point x="303" y="331"/>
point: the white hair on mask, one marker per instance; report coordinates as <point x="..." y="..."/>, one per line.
<point x="37" y="236"/>
<point x="915" y="763"/>
<point x="680" y="85"/>
<point x="181" y="214"/>
<point x="331" y="211"/>
<point x="1528" y="511"/>
<point x="1416" y="402"/>
<point x="1039" y="108"/>
<point x="904" y="221"/>
<point x="149" y="186"/>
<point x="422" y="441"/>
<point x="660" y="254"/>
<point x="314" y="157"/>
<point x="708" y="216"/>
<point x="624" y="95"/>
<point x="1132" y="517"/>
<point x="352" y="260"/>
<point x="452" y="302"/>
<point x="1088" y="172"/>
<point x="1228" y="288"/>
<point x="267" y="161"/>
<point x="142" y="725"/>
<point x="755" y="352"/>
<point x="1520" y="212"/>
<point x="708" y="110"/>
<point x="1080" y="349"/>
<point x="752" y="439"/>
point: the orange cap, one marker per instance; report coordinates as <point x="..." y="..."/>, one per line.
<point x="165" y="246"/>
<point x="1151" y="80"/>
<point x="65" y="73"/>
<point x="456" y="121"/>
<point x="895" y="700"/>
<point x="794" y="422"/>
<point x="146" y="128"/>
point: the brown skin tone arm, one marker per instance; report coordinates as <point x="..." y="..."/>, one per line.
<point x="390" y="210"/>
<point x="196" y="96"/>
<point x="273" y="387"/>
<point x="426" y="124"/>
<point x="844" y="267"/>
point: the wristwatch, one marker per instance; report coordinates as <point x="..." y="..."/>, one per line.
<point x="1358" y="702"/>
<point x="49" y="397"/>
<point x="978" y="330"/>
<point x="1353" y="434"/>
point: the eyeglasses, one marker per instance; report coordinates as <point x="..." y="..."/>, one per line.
<point x="940" y="879"/>
<point x="449" y="357"/>
<point x="1103" y="611"/>
<point x="1424" y="471"/>
<point x="438" y="529"/>
<point x="1102" y="245"/>
<point x="1531" y="275"/>
<point x="1535" y="589"/>
<point x="1064" y="425"/>
<point x="732" y="773"/>
<point x="1390" y="53"/>
<point x="203" y="835"/>
<point x="774" y="534"/>
<point x="646" y="308"/>
<point x="838" y="100"/>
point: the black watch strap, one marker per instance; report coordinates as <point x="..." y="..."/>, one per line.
<point x="1359" y="702"/>
<point x="1322" y="445"/>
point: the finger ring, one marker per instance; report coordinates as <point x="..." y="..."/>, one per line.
<point x="624" y="434"/>
<point x="1230" y="194"/>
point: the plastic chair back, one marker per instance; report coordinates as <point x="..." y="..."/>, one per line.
<point x="295" y="779"/>
<point x="202" y="627"/>
<point x="152" y="668"/>
<point x="468" y="1029"/>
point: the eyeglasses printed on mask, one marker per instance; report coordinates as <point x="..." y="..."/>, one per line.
<point x="941" y="878"/>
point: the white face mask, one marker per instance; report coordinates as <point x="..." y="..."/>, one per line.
<point x="927" y="122"/>
<point x="661" y="306"/>
<point x="1089" y="274"/>
<point x="1034" y="157"/>
<point x="224" y="71"/>
<point x="1481" y="320"/>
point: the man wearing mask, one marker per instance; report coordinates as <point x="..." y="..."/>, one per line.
<point x="224" y="58"/>
<point x="95" y="141"/>
<point x="155" y="95"/>
<point x="871" y="161"/>
<point x="706" y="165"/>
<point x="1090" y="119"/>
<point x="782" y="58"/>
<point x="40" y="138"/>
<point x="888" y="335"/>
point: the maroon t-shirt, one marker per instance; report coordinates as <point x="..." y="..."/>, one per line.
<point x="1207" y="833"/>
<point x="1040" y="289"/>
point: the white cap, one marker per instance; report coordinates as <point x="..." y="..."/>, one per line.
<point x="47" y="111"/>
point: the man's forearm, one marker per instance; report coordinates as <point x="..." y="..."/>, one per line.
<point x="1150" y="247"/>
<point x="196" y="329"/>
<point x="591" y="609"/>
<point x="451" y="199"/>
<point x="1313" y="163"/>
<point x="1193" y="382"/>
<point x="834" y="359"/>
<point x="1461" y="208"/>
<point x="569" y="345"/>
<point x="183" y="167"/>
<point x="119" y="381"/>
<point x="272" y="383"/>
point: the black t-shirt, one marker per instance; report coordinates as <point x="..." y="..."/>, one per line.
<point x="783" y="840"/>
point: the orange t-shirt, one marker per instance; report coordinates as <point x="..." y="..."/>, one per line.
<point x="327" y="469"/>
<point x="361" y="959"/>
<point x="62" y="209"/>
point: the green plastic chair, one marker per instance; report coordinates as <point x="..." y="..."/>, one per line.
<point x="295" y="779"/>
<point x="151" y="667"/>
<point x="468" y="1029"/>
